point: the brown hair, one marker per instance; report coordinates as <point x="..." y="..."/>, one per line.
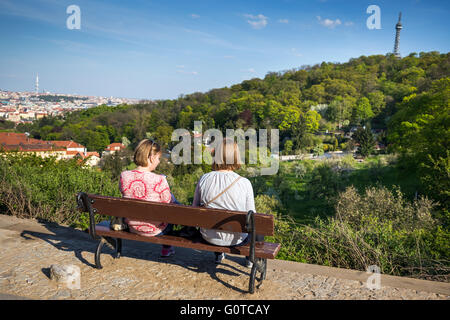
<point x="226" y="156"/>
<point x="145" y="149"/>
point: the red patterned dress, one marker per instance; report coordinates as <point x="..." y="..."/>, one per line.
<point x="147" y="186"/>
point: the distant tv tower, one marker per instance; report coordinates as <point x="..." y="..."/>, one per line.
<point x="398" y="28"/>
<point x="37" y="83"/>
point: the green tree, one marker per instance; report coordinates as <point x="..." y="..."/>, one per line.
<point x="163" y="135"/>
<point x="5" y="124"/>
<point x="94" y="140"/>
<point x="340" y="109"/>
<point x="366" y="141"/>
<point x="338" y="87"/>
<point x="288" y="147"/>
<point x="315" y="93"/>
<point x="311" y="120"/>
<point x="362" y="111"/>
<point x="377" y="101"/>
<point x="420" y="131"/>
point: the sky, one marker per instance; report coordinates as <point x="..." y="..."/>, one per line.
<point x="147" y="49"/>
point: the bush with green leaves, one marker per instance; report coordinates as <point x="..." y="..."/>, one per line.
<point x="33" y="187"/>
<point x="326" y="181"/>
<point x="380" y="228"/>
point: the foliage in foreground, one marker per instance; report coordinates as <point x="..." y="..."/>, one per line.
<point x="32" y="187"/>
<point x="379" y="228"/>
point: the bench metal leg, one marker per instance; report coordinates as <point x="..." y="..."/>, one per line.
<point x="118" y="248"/>
<point x="259" y="265"/>
<point x="114" y="243"/>
<point x="265" y="270"/>
<point x="251" y="285"/>
<point x="98" y="252"/>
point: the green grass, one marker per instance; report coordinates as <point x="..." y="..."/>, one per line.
<point x="296" y="199"/>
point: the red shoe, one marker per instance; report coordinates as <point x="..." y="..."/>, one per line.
<point x="167" y="252"/>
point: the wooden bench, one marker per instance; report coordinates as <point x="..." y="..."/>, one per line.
<point x="226" y="220"/>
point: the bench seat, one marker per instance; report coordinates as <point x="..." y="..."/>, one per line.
<point x="265" y="250"/>
<point x="207" y="218"/>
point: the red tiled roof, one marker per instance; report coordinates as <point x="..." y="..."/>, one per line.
<point x="89" y="154"/>
<point x="82" y="155"/>
<point x="114" y="145"/>
<point x="19" y="141"/>
<point x="67" y="144"/>
<point x="30" y="148"/>
<point x="16" y="138"/>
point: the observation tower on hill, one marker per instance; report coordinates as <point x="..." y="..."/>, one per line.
<point x="398" y="28"/>
<point x="37" y="84"/>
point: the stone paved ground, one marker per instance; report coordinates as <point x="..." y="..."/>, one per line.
<point x="29" y="249"/>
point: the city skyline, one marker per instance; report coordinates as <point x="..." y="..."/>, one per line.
<point x="155" y="50"/>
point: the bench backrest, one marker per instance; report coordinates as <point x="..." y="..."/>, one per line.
<point x="141" y="210"/>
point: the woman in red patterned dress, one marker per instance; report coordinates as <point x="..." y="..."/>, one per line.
<point x="142" y="183"/>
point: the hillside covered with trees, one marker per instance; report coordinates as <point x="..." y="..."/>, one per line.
<point x="299" y="102"/>
<point x="405" y="100"/>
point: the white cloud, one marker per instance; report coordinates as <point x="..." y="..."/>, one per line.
<point x="257" y="22"/>
<point x="328" y="22"/>
<point x="283" y="21"/>
<point x="348" y="24"/>
<point x="195" y="16"/>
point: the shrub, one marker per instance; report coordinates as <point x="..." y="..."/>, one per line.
<point x="268" y="205"/>
<point x="32" y="187"/>
<point x="378" y="228"/>
<point x="325" y="182"/>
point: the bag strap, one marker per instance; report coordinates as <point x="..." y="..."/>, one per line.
<point x="206" y="204"/>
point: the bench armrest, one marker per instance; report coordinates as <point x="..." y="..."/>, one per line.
<point x="250" y="226"/>
<point x="84" y="204"/>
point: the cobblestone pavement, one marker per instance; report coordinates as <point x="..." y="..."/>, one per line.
<point x="29" y="249"/>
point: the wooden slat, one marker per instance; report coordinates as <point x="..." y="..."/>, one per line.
<point x="226" y="220"/>
<point x="265" y="250"/>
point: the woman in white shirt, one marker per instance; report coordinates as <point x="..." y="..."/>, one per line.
<point x="238" y="195"/>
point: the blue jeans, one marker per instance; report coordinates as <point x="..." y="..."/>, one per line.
<point x="169" y="227"/>
<point x="166" y="230"/>
<point x="173" y="199"/>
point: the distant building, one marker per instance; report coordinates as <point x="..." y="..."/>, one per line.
<point x="92" y="158"/>
<point x="113" y="148"/>
<point x="71" y="146"/>
<point x="20" y="142"/>
<point x="379" y="146"/>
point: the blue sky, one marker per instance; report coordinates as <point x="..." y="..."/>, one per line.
<point x="161" y="49"/>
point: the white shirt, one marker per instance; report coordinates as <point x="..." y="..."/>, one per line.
<point x="238" y="198"/>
